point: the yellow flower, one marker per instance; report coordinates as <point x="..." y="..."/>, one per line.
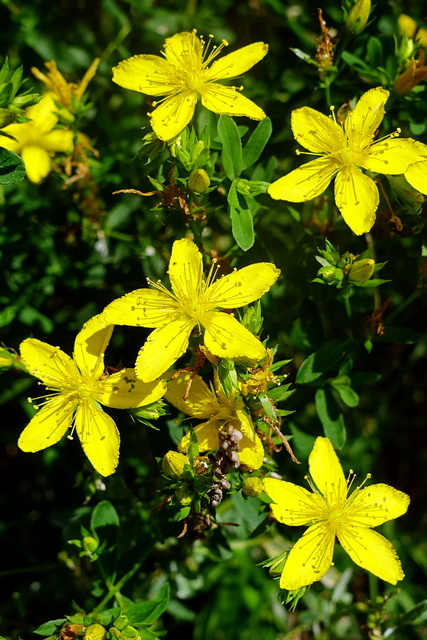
<point x="416" y="173"/>
<point x="342" y="151"/>
<point x="228" y="424"/>
<point x="37" y="140"/>
<point x="192" y="303"/>
<point x="410" y="28"/>
<point x="78" y="386"/>
<point x="183" y="75"/>
<point x="66" y="93"/>
<point x="330" y="512"/>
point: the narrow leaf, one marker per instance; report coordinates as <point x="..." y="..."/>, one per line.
<point x="12" y="169"/>
<point x="331" y="418"/>
<point x="231" y="154"/>
<point x="256" y="143"/>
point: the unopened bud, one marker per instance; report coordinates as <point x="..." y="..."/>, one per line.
<point x="95" y="632"/>
<point x="173" y="464"/>
<point x="90" y="544"/>
<point x="331" y="274"/>
<point x="361" y="270"/>
<point x="252" y="487"/>
<point x="358" y="16"/>
<point x="198" y="181"/>
<point x="184" y="495"/>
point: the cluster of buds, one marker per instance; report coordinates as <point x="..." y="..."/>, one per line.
<point x="347" y="269"/>
<point x="13" y="103"/>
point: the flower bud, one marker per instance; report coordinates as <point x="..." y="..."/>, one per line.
<point x="90" y="544"/>
<point x="330" y="274"/>
<point x="95" y="632"/>
<point x="184" y="495"/>
<point x="358" y="16"/>
<point x="361" y="270"/>
<point x="173" y="464"/>
<point x="252" y="487"/>
<point x="198" y="181"/>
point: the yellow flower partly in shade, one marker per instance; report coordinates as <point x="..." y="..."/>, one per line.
<point x="184" y="75"/>
<point x="416" y="173"/>
<point x="193" y="302"/>
<point x="227" y="423"/>
<point x="331" y="512"/>
<point x="410" y="28"/>
<point x="38" y="140"/>
<point x="343" y="151"/>
<point x="77" y="387"/>
<point x="66" y="93"/>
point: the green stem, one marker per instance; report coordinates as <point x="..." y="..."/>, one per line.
<point x="115" y="588"/>
<point x="373" y="587"/>
<point x="414" y="295"/>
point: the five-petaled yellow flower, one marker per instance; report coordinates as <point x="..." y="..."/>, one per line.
<point x="77" y="387"/>
<point x="227" y="422"/>
<point x="330" y="512"/>
<point x="37" y="140"/>
<point x="343" y="152"/>
<point x="193" y="302"/>
<point x="183" y="75"/>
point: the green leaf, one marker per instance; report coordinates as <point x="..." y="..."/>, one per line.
<point x="49" y="628"/>
<point x="12" y="169"/>
<point x="242" y="224"/>
<point x="256" y="143"/>
<point x="148" y="612"/>
<point x="331" y="418"/>
<point x="231" y="154"/>
<point x="347" y="394"/>
<point x="104" y="515"/>
<point x="325" y="359"/>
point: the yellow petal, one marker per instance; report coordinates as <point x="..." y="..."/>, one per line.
<point x="391" y="156"/>
<point x="50" y="364"/>
<point x="99" y="437"/>
<point x="294" y="505"/>
<point x="201" y="401"/>
<point x="123" y="390"/>
<point x="228" y="101"/>
<point x="361" y="123"/>
<point x="376" y="504"/>
<point x="236" y="63"/>
<point x="184" y="51"/>
<point x="306" y="182"/>
<point x="242" y="287"/>
<point x="326" y="471"/>
<point x="251" y="452"/>
<point x="90" y="345"/>
<point x="162" y="348"/>
<point x="173" y="114"/>
<point x="141" y="308"/>
<point x="185" y="269"/>
<point x="58" y="140"/>
<point x="49" y="424"/>
<point x="16" y="131"/>
<point x="372" y="552"/>
<point x="227" y="338"/>
<point x="416" y="175"/>
<point x="309" y="559"/>
<point x="356" y="196"/>
<point x="43" y="114"/>
<point x="315" y="131"/>
<point x="207" y="435"/>
<point x="37" y="163"/>
<point x="246" y="425"/>
<point x="147" y="74"/>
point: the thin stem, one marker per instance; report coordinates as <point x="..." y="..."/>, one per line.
<point x="115" y="588"/>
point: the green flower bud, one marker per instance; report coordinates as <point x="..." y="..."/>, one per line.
<point x="361" y="270"/>
<point x="358" y="16"/>
<point x="95" y="632"/>
<point x="330" y="274"/>
<point x="184" y="495"/>
<point x="198" y="181"/>
<point x="90" y="544"/>
<point x="173" y="464"/>
<point x="252" y="487"/>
